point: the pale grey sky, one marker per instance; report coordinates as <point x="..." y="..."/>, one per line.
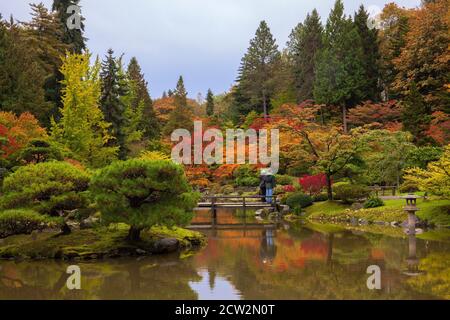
<point x="203" y="40"/>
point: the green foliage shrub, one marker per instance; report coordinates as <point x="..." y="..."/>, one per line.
<point x="143" y="193"/>
<point x="373" y="202"/>
<point x="409" y="187"/>
<point x="350" y="193"/>
<point x="39" y="150"/>
<point x="298" y="200"/>
<point x="227" y="189"/>
<point x="246" y="176"/>
<point x="3" y="173"/>
<point x="284" y="180"/>
<point x="322" y="197"/>
<point x="48" y="188"/>
<point x="15" y="222"/>
<point x="247" y="182"/>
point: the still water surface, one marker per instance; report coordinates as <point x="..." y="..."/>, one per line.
<point x="292" y="261"/>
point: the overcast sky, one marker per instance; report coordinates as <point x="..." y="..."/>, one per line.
<point x="203" y="40"/>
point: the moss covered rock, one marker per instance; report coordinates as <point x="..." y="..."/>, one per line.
<point x="103" y="242"/>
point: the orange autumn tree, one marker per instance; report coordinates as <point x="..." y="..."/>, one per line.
<point x="383" y="114"/>
<point x="17" y="131"/>
<point x="329" y="150"/>
<point x="326" y="149"/>
<point x="439" y="129"/>
<point x="425" y="57"/>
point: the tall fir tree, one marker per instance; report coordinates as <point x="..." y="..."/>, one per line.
<point x="210" y="103"/>
<point x="304" y="45"/>
<point x="181" y="117"/>
<point x="74" y="38"/>
<point x="44" y="34"/>
<point x="22" y="77"/>
<point x="256" y="82"/>
<point x="180" y="94"/>
<point x="416" y="115"/>
<point x="113" y="88"/>
<point x="340" y="77"/>
<point x="149" y="123"/>
<point x="371" y="51"/>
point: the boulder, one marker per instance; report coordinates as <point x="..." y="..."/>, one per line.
<point x="73" y="225"/>
<point x="285" y="209"/>
<point x="381" y="223"/>
<point x="166" y="245"/>
<point x="89" y="223"/>
<point x="363" y="222"/>
<point x="141" y="252"/>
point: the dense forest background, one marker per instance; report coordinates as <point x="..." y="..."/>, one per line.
<point x="390" y="79"/>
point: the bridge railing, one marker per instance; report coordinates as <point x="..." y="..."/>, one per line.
<point x="381" y="190"/>
<point x="242" y="201"/>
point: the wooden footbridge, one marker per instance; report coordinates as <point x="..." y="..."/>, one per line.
<point x="243" y="203"/>
<point x="238" y="202"/>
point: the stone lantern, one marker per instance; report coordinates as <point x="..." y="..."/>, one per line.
<point x="411" y="209"/>
<point x="412" y="261"/>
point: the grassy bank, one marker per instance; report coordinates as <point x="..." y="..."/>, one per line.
<point x="102" y="242"/>
<point x="436" y="212"/>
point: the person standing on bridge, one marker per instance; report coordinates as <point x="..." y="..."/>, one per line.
<point x="262" y="187"/>
<point x="270" y="184"/>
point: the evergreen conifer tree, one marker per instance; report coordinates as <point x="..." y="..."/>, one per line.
<point x="340" y="77"/>
<point x="74" y="38"/>
<point x="210" y="103"/>
<point x="304" y="44"/>
<point x="255" y="81"/>
<point x="22" y="77"/>
<point x="181" y="117"/>
<point x="416" y="114"/>
<point x="113" y="88"/>
<point x="149" y="123"/>
<point x="371" y="60"/>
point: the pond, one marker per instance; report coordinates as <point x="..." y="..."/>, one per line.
<point x="286" y="261"/>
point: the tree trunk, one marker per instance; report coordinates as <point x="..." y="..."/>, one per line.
<point x="329" y="188"/>
<point x="65" y="229"/>
<point x="344" y="118"/>
<point x="134" y="234"/>
<point x="265" y="106"/>
<point x="322" y="116"/>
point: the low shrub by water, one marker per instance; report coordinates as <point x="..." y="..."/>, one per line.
<point x="298" y="200"/>
<point x="350" y="193"/>
<point x="15" y="222"/>
<point x="373" y="202"/>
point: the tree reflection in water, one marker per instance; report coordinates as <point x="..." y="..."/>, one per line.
<point x="293" y="262"/>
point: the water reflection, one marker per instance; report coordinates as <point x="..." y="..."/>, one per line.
<point x="291" y="262"/>
<point x="214" y="287"/>
<point x="268" y="248"/>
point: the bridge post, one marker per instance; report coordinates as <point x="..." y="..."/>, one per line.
<point x="245" y="210"/>
<point x="214" y="211"/>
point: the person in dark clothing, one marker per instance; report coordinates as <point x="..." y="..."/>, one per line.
<point x="262" y="188"/>
<point x="270" y="184"/>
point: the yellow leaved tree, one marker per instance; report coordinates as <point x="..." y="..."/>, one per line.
<point x="435" y="179"/>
